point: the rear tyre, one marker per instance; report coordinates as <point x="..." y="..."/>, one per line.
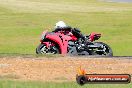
<point x="106" y="49"/>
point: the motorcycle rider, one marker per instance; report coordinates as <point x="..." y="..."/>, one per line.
<point x="61" y="26"/>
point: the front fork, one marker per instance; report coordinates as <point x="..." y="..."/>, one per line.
<point x="49" y="45"/>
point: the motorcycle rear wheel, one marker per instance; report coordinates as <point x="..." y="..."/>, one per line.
<point x="107" y="51"/>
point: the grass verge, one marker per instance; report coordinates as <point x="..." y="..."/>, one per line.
<point x="34" y="84"/>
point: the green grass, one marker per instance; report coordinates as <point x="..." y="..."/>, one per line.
<point x="22" y="24"/>
<point x="34" y="84"/>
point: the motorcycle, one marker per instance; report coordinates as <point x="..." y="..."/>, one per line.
<point x="63" y="42"/>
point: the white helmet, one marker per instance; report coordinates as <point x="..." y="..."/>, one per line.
<point x="60" y="24"/>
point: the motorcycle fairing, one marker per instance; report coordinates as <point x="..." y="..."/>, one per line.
<point x="61" y="40"/>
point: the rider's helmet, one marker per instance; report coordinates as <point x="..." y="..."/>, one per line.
<point x="60" y="25"/>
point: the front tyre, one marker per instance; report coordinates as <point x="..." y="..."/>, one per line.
<point x="104" y="49"/>
<point x="42" y="49"/>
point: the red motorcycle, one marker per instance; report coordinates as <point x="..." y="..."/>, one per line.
<point x="65" y="42"/>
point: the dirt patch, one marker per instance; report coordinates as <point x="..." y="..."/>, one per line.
<point x="60" y="69"/>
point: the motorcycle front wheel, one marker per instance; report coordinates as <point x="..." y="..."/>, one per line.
<point x="42" y="49"/>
